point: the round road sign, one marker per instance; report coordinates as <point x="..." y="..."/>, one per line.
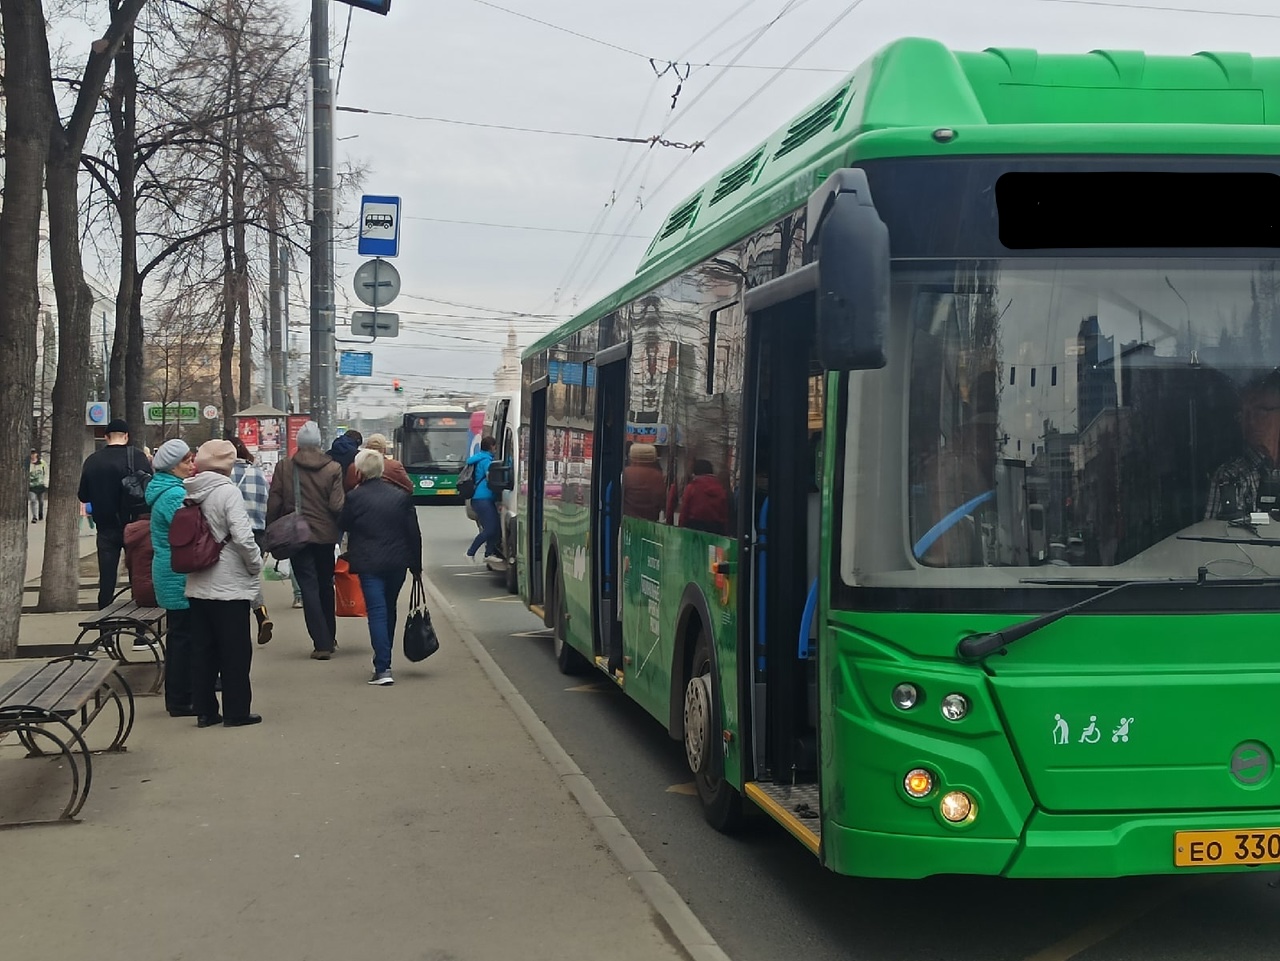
<point x="377" y="283"/>
<point x="210" y="412"/>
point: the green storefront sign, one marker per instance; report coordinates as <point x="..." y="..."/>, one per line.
<point x="172" y="413"/>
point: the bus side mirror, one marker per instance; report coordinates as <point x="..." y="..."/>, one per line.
<point x="850" y="244"/>
<point x="499" y="477"/>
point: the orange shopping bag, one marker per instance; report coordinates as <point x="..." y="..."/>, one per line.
<point x="348" y="599"/>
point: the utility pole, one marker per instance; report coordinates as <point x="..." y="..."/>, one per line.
<point x="323" y="380"/>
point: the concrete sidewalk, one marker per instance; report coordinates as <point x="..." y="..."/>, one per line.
<point x="418" y="821"/>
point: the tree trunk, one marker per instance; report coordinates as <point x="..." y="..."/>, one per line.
<point x="28" y="122"/>
<point x="134" y="375"/>
<point x="126" y="393"/>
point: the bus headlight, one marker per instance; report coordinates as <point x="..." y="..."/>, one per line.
<point x="905" y="696"/>
<point x="957" y="807"/>
<point x="954" y="707"/>
<point x="918" y="783"/>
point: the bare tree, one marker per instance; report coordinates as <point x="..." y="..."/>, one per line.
<point x="28" y="120"/>
<point x="59" y="578"/>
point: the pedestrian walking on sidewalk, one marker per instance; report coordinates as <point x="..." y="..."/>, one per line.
<point x="320" y="483"/>
<point x="220" y="595"/>
<point x="174" y="462"/>
<point x="37" y="485"/>
<point x="252" y="483"/>
<point x="100" y="485"/>
<point x="383" y="543"/>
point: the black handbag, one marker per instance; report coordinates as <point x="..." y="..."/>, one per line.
<point x="420" y="640"/>
<point x="288" y="534"/>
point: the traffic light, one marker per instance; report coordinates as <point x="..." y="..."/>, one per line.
<point x="395" y="385"/>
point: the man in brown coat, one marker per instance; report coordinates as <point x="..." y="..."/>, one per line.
<point x="320" y="483"/>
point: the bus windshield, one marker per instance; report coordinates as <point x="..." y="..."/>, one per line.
<point x="1074" y="413"/>
<point x="435" y="446"/>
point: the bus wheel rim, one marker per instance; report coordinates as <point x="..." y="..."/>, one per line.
<point x="697" y="722"/>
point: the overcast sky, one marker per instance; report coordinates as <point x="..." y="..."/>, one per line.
<point x="473" y="61"/>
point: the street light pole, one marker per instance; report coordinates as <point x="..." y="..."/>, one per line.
<point x="323" y="383"/>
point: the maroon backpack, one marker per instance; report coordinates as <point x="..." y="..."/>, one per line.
<point x="192" y="546"/>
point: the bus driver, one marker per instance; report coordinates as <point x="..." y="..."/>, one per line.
<point x="1251" y="481"/>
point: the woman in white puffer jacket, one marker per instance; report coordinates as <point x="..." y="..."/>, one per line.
<point x="222" y="594"/>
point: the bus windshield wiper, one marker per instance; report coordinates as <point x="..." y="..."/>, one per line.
<point x="977" y="646"/>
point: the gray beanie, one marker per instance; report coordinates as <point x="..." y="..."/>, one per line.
<point x="309" y="434"/>
<point x="169" y="454"/>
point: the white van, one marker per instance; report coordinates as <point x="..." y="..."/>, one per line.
<point x="502" y="421"/>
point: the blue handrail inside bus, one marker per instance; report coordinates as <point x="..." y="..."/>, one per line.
<point x="937" y="530"/>
<point x="762" y="524"/>
<point x="810" y="606"/>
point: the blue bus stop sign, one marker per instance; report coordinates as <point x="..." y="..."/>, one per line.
<point x="379" y="226"/>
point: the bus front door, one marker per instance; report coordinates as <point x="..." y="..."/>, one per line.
<point x="776" y="510"/>
<point x="536" y="478"/>
<point x="606" y="515"/>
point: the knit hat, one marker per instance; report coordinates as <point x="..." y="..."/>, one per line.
<point x="309" y="434"/>
<point x="377" y="442"/>
<point x="169" y="454"/>
<point x="117" y="426"/>
<point x="216" y="455"/>
<point x="643" y="454"/>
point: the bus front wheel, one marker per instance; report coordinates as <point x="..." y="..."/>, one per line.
<point x="721" y="804"/>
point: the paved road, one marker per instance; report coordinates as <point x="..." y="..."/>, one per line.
<point x="763" y="896"/>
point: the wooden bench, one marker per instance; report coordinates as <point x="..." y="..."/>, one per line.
<point x="123" y="620"/>
<point x="48" y="707"/>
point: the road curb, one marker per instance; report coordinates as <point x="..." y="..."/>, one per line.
<point x="695" y="939"/>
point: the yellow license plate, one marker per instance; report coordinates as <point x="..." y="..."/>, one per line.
<point x="1210" y="849"/>
<point x="445" y="490"/>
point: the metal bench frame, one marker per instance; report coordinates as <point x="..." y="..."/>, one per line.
<point x="55" y="702"/>
<point x="123" y="618"/>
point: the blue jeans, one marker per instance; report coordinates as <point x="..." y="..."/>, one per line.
<point x="487" y="514"/>
<point x="380" y="589"/>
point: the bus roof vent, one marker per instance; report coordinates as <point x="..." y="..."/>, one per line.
<point x="816" y="120"/>
<point x="681" y="217"/>
<point x="736" y="177"/>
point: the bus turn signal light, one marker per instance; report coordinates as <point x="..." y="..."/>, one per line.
<point x="918" y="783"/>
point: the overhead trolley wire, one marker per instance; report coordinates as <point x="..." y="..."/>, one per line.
<point x="1164" y="9"/>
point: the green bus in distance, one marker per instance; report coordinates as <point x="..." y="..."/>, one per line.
<point x="433" y="444"/>
<point x="924" y="482"/>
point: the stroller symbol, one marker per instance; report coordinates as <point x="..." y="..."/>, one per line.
<point x="1122" y="732"/>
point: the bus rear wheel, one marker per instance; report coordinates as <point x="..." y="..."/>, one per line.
<point x="721" y="804"/>
<point x="568" y="660"/>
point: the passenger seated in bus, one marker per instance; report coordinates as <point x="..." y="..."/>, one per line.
<point x="1251" y="481"/>
<point x="644" y="489"/>
<point x="704" y="505"/>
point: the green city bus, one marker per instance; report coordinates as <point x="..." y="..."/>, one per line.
<point x="922" y="480"/>
<point x="433" y="443"/>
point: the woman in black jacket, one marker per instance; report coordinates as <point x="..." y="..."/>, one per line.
<point x="383" y="543"/>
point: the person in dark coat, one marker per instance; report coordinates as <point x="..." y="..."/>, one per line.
<point x="344" y="449"/>
<point x="320" y="479"/>
<point x="644" y="489"/>
<point x="100" y="479"/>
<point x="383" y="543"/>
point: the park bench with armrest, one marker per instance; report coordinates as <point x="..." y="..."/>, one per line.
<point x="120" y="627"/>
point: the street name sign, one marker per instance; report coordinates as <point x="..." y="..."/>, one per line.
<point x="357" y="363"/>
<point x="362" y="322"/>
<point x="171" y="413"/>
<point x="379" y="226"/>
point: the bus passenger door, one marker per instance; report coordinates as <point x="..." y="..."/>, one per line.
<point x="777" y="491"/>
<point x="606" y="515"/>
<point x="535" y="483"/>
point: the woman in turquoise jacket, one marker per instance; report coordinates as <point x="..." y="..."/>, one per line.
<point x="173" y="462"/>
<point x="482" y="502"/>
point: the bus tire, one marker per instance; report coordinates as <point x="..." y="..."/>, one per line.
<point x="721" y="803"/>
<point x="512" y="584"/>
<point x="568" y="660"/>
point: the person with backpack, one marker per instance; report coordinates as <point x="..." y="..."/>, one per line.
<point x="482" y="501"/>
<point x="319" y="486"/>
<point x="220" y="593"/>
<point x="174" y="462"/>
<point x="102" y="480"/>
